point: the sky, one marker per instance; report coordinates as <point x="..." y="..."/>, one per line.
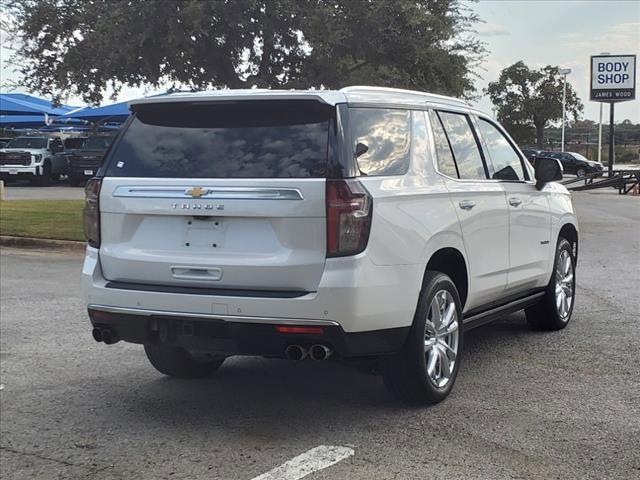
<point x="539" y="32"/>
<point x="563" y="33"/>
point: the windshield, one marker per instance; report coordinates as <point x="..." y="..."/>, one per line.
<point x="577" y="156"/>
<point x="27" y="142"/>
<point x="97" y="143"/>
<point x="263" y="139"/>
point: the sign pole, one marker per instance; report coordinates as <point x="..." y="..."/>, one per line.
<point x="600" y="136"/>
<point x="611" y="149"/>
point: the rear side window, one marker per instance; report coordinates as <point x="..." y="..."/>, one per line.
<point x="71" y="143"/>
<point x="446" y="163"/>
<point x="506" y="161"/>
<point x="259" y="139"/>
<point x="385" y="138"/>
<point x="97" y="143"/>
<point x="464" y="145"/>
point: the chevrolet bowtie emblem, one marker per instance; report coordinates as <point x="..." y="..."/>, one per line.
<point x="197" y="192"/>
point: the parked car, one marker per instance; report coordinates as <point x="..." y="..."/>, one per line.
<point x="84" y="162"/>
<point x="531" y="154"/>
<point x="38" y="159"/>
<point x="575" y="163"/>
<point x="366" y="225"/>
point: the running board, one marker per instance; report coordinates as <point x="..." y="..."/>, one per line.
<point x="492" y="314"/>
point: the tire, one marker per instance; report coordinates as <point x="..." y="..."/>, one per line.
<point x="179" y="363"/>
<point x="554" y="311"/>
<point x="418" y="374"/>
<point x="581" y="172"/>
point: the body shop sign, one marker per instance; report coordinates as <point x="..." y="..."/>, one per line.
<point x="613" y="78"/>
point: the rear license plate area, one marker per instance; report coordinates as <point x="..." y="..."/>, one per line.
<point x="204" y="234"/>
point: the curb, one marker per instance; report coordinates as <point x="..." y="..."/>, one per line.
<point x="44" y="243"/>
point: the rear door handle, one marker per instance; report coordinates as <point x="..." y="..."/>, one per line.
<point x="467" y="204"/>
<point x="515" y="202"/>
<point x="195" y="273"/>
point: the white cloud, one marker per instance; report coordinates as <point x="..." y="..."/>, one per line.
<point x="492" y="30"/>
<point x="620" y="38"/>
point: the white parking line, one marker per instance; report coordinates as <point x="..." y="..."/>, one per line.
<point x="310" y="461"/>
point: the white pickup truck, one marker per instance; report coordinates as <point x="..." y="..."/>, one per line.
<point x="35" y="158"/>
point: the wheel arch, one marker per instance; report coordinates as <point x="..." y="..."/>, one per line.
<point x="451" y="262"/>
<point x="570" y="232"/>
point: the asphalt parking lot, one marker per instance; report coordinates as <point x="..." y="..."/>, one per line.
<point x="526" y="405"/>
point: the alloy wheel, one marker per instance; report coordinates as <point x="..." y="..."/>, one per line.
<point x="564" y="284"/>
<point x="441" y="338"/>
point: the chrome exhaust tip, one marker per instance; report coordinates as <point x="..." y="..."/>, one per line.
<point x="320" y="352"/>
<point x="295" y="352"/>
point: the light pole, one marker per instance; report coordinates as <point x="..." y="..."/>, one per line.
<point x="564" y="72"/>
<point x="600" y="126"/>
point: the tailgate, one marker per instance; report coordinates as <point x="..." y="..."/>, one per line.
<point x="259" y="235"/>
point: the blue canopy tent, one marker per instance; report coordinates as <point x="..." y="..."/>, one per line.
<point x="23" y="104"/>
<point x="46" y="106"/>
<point x="117" y="112"/>
<point x="37" y="121"/>
<point x="22" y="121"/>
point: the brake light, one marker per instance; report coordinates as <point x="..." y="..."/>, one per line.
<point x="349" y="208"/>
<point x="91" y="217"/>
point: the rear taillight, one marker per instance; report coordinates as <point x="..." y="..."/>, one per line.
<point x="92" y="212"/>
<point x="349" y="208"/>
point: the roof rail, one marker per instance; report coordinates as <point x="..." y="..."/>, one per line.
<point x="365" y="88"/>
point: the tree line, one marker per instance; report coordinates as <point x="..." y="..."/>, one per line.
<point x="86" y="47"/>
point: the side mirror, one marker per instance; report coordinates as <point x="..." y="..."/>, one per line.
<point x="547" y="170"/>
<point x="361" y="149"/>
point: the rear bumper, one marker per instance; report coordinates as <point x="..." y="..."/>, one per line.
<point x="79" y="169"/>
<point x="354" y="297"/>
<point x="231" y="337"/>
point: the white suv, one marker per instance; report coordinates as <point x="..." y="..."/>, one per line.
<point x="361" y="225"/>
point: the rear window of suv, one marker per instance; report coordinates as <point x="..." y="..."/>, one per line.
<point x="257" y="139"/>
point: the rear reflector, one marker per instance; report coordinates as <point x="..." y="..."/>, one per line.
<point x="307" y="330"/>
<point x="102" y="316"/>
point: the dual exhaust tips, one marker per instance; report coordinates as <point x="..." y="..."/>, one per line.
<point x="105" y="335"/>
<point x="316" y="352"/>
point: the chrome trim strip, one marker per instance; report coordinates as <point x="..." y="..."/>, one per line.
<point x="226" y="318"/>
<point x="210" y="193"/>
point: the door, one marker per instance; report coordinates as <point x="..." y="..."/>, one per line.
<point x="480" y="205"/>
<point x="58" y="161"/>
<point x="568" y="162"/>
<point x="228" y="196"/>
<point x="529" y="219"/>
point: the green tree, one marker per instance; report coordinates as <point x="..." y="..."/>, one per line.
<point x="527" y="100"/>
<point x="84" y="46"/>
